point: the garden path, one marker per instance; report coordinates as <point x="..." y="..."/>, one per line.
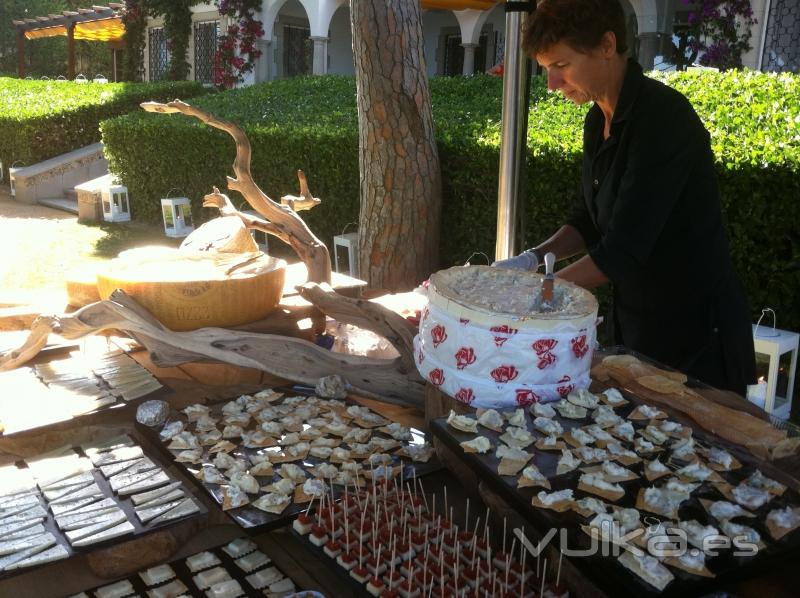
<point x="40" y="245"/>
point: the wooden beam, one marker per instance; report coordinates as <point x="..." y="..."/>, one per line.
<point x="21" y="53"/>
<point x="71" y="51"/>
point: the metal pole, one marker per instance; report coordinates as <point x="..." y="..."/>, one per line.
<point x="763" y="44"/>
<point x="71" y="51"/>
<point x="514" y="127"/>
<point x="21" y="53"/>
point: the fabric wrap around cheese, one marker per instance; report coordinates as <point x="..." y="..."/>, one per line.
<point x="510" y="358"/>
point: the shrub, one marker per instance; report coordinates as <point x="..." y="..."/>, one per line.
<point x="42" y="119"/>
<point x="311" y="123"/>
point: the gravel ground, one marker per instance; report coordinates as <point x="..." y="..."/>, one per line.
<point x="40" y="245"/>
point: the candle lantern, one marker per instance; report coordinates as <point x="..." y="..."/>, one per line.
<point x="348" y="245"/>
<point x="774" y="343"/>
<point x="116" y="207"/>
<point x="12" y="179"/>
<point x="177" y="215"/>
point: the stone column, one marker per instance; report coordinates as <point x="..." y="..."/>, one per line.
<point x="320" y="55"/>
<point x="649" y="47"/>
<point x="469" y="59"/>
<point x="263" y="66"/>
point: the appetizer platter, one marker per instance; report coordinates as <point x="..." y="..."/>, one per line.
<point x="602" y="465"/>
<point x="61" y="390"/>
<point x="76" y="499"/>
<point x="390" y="539"/>
<point x="264" y="457"/>
<point x="231" y="570"/>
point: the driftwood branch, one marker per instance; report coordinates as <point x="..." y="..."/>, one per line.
<point x="364" y="314"/>
<point x="286" y="357"/>
<point x="226" y="208"/>
<point x="304" y="201"/>
<point x="283" y="219"/>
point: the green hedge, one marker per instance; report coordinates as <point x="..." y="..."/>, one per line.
<point x="42" y="119"/>
<point x="311" y="123"/>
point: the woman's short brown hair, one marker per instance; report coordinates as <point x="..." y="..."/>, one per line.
<point x="580" y="24"/>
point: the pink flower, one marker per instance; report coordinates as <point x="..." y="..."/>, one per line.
<point x="544" y="345"/>
<point x="504" y="373"/>
<point x="506" y="332"/>
<point x="465" y="356"/>
<point x="465" y="395"/>
<point x="579" y="346"/>
<point x="564" y="389"/>
<point x="526" y="397"/>
<point x="543" y="348"/>
<point x="436" y="377"/>
<point x="438" y="334"/>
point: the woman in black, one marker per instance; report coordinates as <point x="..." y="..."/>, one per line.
<point x="648" y="217"/>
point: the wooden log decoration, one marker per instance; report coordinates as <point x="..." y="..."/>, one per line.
<point x="304" y="201"/>
<point x="386" y="379"/>
<point x="279" y="220"/>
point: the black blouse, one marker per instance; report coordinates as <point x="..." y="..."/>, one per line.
<point x="649" y="212"/>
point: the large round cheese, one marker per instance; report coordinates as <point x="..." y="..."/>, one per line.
<point x="486" y="340"/>
<point x="187" y="290"/>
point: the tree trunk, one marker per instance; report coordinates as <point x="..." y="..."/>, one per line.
<point x="398" y="160"/>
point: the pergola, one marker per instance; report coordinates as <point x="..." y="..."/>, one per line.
<point x="98" y="23"/>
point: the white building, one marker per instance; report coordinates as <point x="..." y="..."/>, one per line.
<point x="313" y="36"/>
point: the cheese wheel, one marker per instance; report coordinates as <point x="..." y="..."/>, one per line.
<point x="81" y="287"/>
<point x="485" y="339"/>
<point x="188" y="290"/>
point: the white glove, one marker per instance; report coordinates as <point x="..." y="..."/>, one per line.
<point x="526" y="260"/>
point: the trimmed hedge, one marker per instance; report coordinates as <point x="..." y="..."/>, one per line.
<point x="42" y="119"/>
<point x="311" y="123"/>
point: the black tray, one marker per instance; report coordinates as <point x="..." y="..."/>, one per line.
<point x="139" y="529"/>
<point x="183" y="573"/>
<point x="605" y="572"/>
<point x="252" y="519"/>
<point x="356" y="588"/>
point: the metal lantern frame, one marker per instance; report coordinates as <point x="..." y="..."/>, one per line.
<point x="12" y="180"/>
<point x="116" y="203"/>
<point x="348" y="241"/>
<point x="176" y="213"/>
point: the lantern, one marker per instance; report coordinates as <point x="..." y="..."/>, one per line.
<point x="774" y="343"/>
<point x="12" y="180"/>
<point x="349" y="244"/>
<point x="116" y="207"/>
<point x="177" y="215"/>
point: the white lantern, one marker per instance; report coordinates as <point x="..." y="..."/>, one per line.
<point x="177" y="215"/>
<point x="774" y="343"/>
<point x="116" y="207"/>
<point x="12" y="180"/>
<point x="349" y="244"/>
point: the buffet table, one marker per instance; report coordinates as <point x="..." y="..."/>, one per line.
<point x="472" y="486"/>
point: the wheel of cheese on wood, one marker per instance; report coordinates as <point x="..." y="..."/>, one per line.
<point x="484" y="338"/>
<point x="81" y="287"/>
<point x="189" y="290"/>
<point x="223" y="234"/>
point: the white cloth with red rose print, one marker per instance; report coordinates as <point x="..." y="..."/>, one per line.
<point x="502" y="366"/>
